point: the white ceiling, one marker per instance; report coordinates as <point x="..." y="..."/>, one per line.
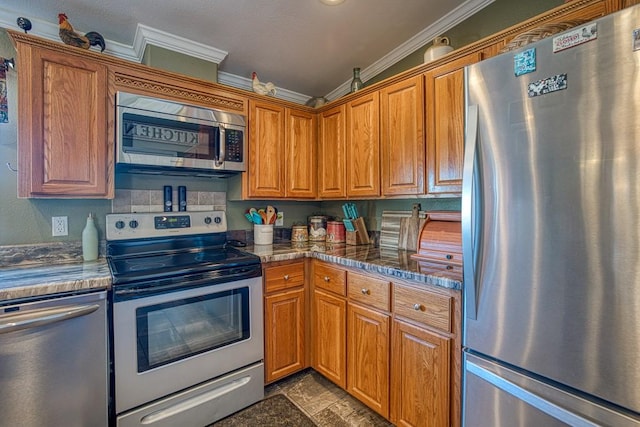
<point x="304" y="47"/>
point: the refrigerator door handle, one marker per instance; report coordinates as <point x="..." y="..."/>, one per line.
<point x="469" y="213"/>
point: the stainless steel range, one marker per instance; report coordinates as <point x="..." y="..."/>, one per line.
<point x="187" y="319"/>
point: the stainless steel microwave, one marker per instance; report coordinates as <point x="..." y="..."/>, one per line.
<point x="163" y="137"/>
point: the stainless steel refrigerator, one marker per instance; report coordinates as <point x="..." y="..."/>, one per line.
<point x="551" y="231"/>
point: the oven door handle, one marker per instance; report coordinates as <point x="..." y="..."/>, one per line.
<point x="126" y="292"/>
<point x="185" y="405"/>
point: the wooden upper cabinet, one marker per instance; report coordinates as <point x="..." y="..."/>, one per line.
<point x="331" y="153"/>
<point x="65" y="126"/>
<point x="301" y="157"/>
<point x="363" y="146"/>
<point x="402" y="137"/>
<point x="444" y="87"/>
<point x="266" y="150"/>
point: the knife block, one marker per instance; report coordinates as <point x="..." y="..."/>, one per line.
<point x="360" y="236"/>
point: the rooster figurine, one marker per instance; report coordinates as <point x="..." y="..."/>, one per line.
<point x="70" y="37"/>
<point x="262" y="88"/>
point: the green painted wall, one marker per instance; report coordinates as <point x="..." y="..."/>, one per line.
<point x="497" y="16"/>
<point x="165" y="59"/>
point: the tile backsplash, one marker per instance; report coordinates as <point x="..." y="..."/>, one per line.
<point x="127" y="201"/>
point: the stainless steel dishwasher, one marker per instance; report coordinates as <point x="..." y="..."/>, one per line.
<point x="53" y="362"/>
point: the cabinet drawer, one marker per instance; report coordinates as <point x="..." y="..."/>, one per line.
<point x="370" y="291"/>
<point x="283" y="277"/>
<point x="423" y="306"/>
<point x="330" y="278"/>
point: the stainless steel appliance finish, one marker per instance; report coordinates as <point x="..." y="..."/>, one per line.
<point x="187" y="319"/>
<point x="53" y="362"/>
<point x="157" y="136"/>
<point x="551" y="207"/>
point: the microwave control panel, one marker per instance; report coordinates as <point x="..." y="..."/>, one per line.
<point x="234" y="145"/>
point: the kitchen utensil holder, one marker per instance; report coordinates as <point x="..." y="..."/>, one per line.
<point x="360" y="236"/>
<point x="262" y="234"/>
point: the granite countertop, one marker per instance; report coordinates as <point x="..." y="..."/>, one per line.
<point x="17" y="282"/>
<point x="35" y="281"/>
<point x="391" y="262"/>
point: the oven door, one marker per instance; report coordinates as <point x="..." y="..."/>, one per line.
<point x="172" y="341"/>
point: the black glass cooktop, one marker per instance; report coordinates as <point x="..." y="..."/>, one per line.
<point x="146" y="259"/>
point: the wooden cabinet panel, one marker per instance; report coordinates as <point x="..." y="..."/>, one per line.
<point x="266" y="150"/>
<point x="445" y="125"/>
<point x="284" y="317"/>
<point x="284" y="277"/>
<point x="368" y="357"/>
<point x="331" y="154"/>
<point x="301" y="155"/>
<point x="65" y="142"/>
<point x="363" y="146"/>
<point x="420" y="394"/>
<point x="333" y="279"/>
<point x="402" y="137"/>
<point x="329" y="336"/>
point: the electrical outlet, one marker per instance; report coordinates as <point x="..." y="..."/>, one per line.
<point x="279" y="219"/>
<point x="59" y="226"/>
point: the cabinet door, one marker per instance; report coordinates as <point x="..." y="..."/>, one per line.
<point x="284" y="334"/>
<point x="266" y="150"/>
<point x="445" y="125"/>
<point x="66" y="113"/>
<point x="402" y="137"/>
<point x="301" y="155"/>
<point x="419" y="377"/>
<point x="363" y="146"/>
<point x="329" y="336"/>
<point x="331" y="154"/>
<point x="368" y="357"/>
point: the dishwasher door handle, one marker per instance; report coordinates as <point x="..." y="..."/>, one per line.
<point x="36" y="318"/>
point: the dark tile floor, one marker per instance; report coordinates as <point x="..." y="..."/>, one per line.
<point x="324" y="402"/>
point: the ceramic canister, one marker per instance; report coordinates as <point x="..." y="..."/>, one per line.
<point x="299" y="233"/>
<point x="317" y="228"/>
<point x="335" y="232"/>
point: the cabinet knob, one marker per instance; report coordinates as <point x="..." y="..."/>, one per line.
<point x="449" y="256"/>
<point x="286" y="277"/>
<point x="365" y="291"/>
<point x="417" y="307"/>
<point x="326" y="278"/>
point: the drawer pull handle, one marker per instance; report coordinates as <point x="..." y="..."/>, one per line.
<point x="326" y="278"/>
<point x="365" y="291"/>
<point x="286" y="277"/>
<point x="449" y="267"/>
<point x="449" y="256"/>
<point x="417" y="307"/>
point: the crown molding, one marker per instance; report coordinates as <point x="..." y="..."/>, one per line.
<point x="414" y="44"/>
<point x="245" y="83"/>
<point x="147" y="35"/>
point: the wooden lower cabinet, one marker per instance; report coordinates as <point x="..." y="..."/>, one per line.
<point x="368" y="357"/>
<point x="394" y="346"/>
<point x="420" y="376"/>
<point x="284" y="320"/>
<point x="329" y="350"/>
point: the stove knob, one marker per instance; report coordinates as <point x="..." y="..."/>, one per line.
<point x="217" y="220"/>
<point x="207" y="220"/>
<point x="119" y="225"/>
<point x="133" y="223"/>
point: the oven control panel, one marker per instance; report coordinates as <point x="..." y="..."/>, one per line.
<point x="141" y="225"/>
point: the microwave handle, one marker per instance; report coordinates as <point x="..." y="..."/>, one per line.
<point x="222" y="146"/>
